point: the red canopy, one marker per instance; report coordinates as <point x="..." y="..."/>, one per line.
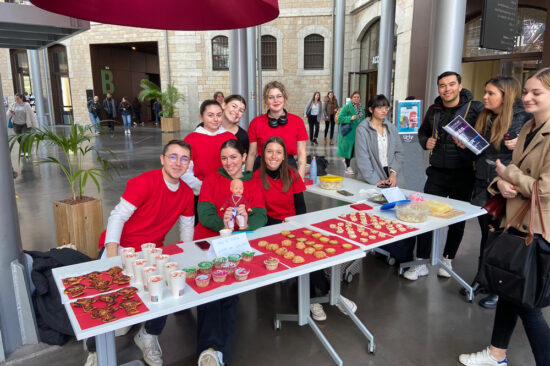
<point x="168" y="14"/>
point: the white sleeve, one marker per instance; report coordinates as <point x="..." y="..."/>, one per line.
<point x="193" y="182"/>
<point x="187" y="228"/>
<point x="120" y="214"/>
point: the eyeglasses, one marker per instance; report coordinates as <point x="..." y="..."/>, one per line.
<point x="174" y="158"/>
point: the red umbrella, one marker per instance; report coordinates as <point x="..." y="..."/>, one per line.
<point x="168" y="14"/>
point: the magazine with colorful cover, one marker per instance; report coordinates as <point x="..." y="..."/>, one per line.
<point x="467" y="134"/>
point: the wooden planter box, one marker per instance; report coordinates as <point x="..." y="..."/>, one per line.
<point x="80" y="224"/>
<point x="170" y="124"/>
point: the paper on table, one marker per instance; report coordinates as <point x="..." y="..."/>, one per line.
<point x="234" y="244"/>
<point x="393" y="194"/>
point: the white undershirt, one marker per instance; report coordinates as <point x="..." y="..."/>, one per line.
<point x="383" y="147"/>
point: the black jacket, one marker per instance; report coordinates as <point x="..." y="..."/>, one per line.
<point x="109" y="105"/>
<point x="485" y="172"/>
<point x="446" y="154"/>
<point x="54" y="326"/>
<point x="125" y="109"/>
<point x="96" y="112"/>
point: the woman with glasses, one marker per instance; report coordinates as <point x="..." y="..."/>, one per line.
<point x="234" y="107"/>
<point x="277" y="122"/>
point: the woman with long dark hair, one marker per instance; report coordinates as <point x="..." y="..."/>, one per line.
<point x="330" y="107"/>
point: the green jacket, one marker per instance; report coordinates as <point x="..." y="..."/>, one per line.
<point x="345" y="143"/>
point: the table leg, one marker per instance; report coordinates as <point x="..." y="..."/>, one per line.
<point x="106" y="351"/>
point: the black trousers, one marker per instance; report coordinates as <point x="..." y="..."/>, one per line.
<point x="216" y="326"/>
<point x="111" y="119"/>
<point x="452" y="183"/>
<point x="330" y="125"/>
<point x="535" y="326"/>
<point x="348" y="161"/>
<point x="313" y="127"/>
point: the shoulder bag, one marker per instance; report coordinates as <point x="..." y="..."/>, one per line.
<point x="517" y="268"/>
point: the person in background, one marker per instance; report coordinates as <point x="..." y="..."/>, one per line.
<point x="148" y="209"/>
<point x="314" y="115"/>
<point x="137" y="111"/>
<point x="234" y="107"/>
<point x="349" y="118"/>
<point x="126" y="111"/>
<point x="330" y="107"/>
<point x="450" y="174"/>
<point x="94" y="110"/>
<point x="157" y="108"/>
<point x="109" y="106"/>
<point x="530" y="163"/>
<point x="277" y="122"/>
<point x="499" y="123"/>
<point x="22" y="116"/>
<point x="219" y="97"/>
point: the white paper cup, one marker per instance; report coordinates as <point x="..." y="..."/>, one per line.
<point x="168" y="269"/>
<point x="160" y="261"/>
<point x="146" y="249"/>
<point x="225" y="232"/>
<point x="153" y="253"/>
<point x="147" y="272"/>
<point x="139" y="264"/>
<point x="155" y="284"/>
<point x="128" y="260"/>
<point x="177" y="283"/>
<point x="123" y="252"/>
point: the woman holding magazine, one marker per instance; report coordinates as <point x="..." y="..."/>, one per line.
<point x="499" y="123"/>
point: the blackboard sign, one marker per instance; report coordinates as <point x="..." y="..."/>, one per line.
<point x="89" y="94"/>
<point x="498" y="24"/>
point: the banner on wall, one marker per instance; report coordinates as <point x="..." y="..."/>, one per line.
<point x="408" y="116"/>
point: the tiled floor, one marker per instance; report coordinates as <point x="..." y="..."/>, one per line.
<point x="414" y="323"/>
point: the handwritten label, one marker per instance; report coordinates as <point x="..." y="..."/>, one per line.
<point x="393" y="194"/>
<point x="225" y="246"/>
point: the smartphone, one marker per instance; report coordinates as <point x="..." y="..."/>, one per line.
<point x="384" y="185"/>
<point x="344" y="192"/>
<point x="203" y="244"/>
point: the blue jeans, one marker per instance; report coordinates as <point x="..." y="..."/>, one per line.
<point x="95" y="121"/>
<point x="127" y="121"/>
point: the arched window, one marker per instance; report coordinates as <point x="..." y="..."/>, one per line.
<point x="369" y="47"/>
<point x="269" y="53"/>
<point x="314" y="52"/>
<point x="220" y="53"/>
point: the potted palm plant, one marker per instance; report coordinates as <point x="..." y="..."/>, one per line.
<point x="78" y="219"/>
<point x="168" y="99"/>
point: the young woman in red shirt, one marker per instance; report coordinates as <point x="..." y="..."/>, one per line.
<point x="283" y="192"/>
<point x="277" y="122"/>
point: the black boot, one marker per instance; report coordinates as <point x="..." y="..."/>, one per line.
<point x="489" y="302"/>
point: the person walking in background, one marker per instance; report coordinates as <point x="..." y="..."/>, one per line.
<point x="157" y="108"/>
<point x="137" y="111"/>
<point x="499" y="123"/>
<point x="126" y="111"/>
<point x="450" y="174"/>
<point x="219" y="97"/>
<point x="109" y="106"/>
<point x="350" y="116"/>
<point x="330" y="107"/>
<point x="314" y="115"/>
<point x="94" y="109"/>
<point x="22" y="116"/>
<point x="530" y="163"/>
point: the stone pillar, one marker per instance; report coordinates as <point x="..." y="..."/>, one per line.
<point x="238" y="67"/>
<point x="385" y="48"/>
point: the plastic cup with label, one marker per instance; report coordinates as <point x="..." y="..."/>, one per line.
<point x="146" y="249"/>
<point x="177" y="282"/>
<point x="155" y="284"/>
<point x="128" y="262"/>
<point x="168" y="269"/>
<point x="139" y="264"/>
<point x="147" y="272"/>
<point x="153" y="254"/>
<point x="160" y="261"/>
<point x="123" y="252"/>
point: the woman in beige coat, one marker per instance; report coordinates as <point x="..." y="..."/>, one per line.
<point x="530" y="162"/>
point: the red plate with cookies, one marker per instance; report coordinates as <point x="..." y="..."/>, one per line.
<point x="94" y="283"/>
<point x="358" y="233"/>
<point x="377" y="223"/>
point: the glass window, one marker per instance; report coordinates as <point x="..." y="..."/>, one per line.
<point x="220" y="53"/>
<point x="529" y="34"/>
<point x="369" y="47"/>
<point x="314" y="52"/>
<point x="269" y="53"/>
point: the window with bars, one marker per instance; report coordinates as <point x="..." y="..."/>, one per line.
<point x="314" y="52"/>
<point x="220" y="53"/>
<point x="269" y="53"/>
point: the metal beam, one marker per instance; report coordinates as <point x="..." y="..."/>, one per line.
<point x="238" y="67"/>
<point x="338" y="76"/>
<point x="30" y="28"/>
<point x="385" y="48"/>
<point x="15" y="43"/>
<point x="28" y="35"/>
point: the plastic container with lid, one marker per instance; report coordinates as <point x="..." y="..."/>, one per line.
<point x="333" y="182"/>
<point x="412" y="211"/>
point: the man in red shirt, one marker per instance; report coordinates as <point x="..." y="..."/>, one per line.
<point x="149" y="207"/>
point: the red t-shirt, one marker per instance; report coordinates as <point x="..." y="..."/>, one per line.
<point x="158" y="209"/>
<point x="205" y="151"/>
<point x="294" y="131"/>
<point x="216" y="189"/>
<point x="279" y="204"/>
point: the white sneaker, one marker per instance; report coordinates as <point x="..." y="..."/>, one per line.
<point x="122" y="331"/>
<point x="149" y="345"/>
<point x="416" y="271"/>
<point x="129" y="132"/>
<point x="317" y="312"/>
<point x="350" y="305"/>
<point x="441" y="272"/>
<point x="349" y="171"/>
<point x="481" y="358"/>
<point x="210" y="357"/>
<point x="92" y="359"/>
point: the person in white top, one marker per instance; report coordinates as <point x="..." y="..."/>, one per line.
<point x="314" y="115"/>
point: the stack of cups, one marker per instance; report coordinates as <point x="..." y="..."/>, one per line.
<point x="128" y="260"/>
<point x="155" y="284"/>
<point x="139" y="264"/>
<point x="153" y="253"/>
<point x="146" y="249"/>
<point x="168" y="269"/>
<point x="177" y="283"/>
<point x="147" y="272"/>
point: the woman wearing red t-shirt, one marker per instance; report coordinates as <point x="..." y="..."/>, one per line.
<point x="283" y="192"/>
<point x="277" y="122"/>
